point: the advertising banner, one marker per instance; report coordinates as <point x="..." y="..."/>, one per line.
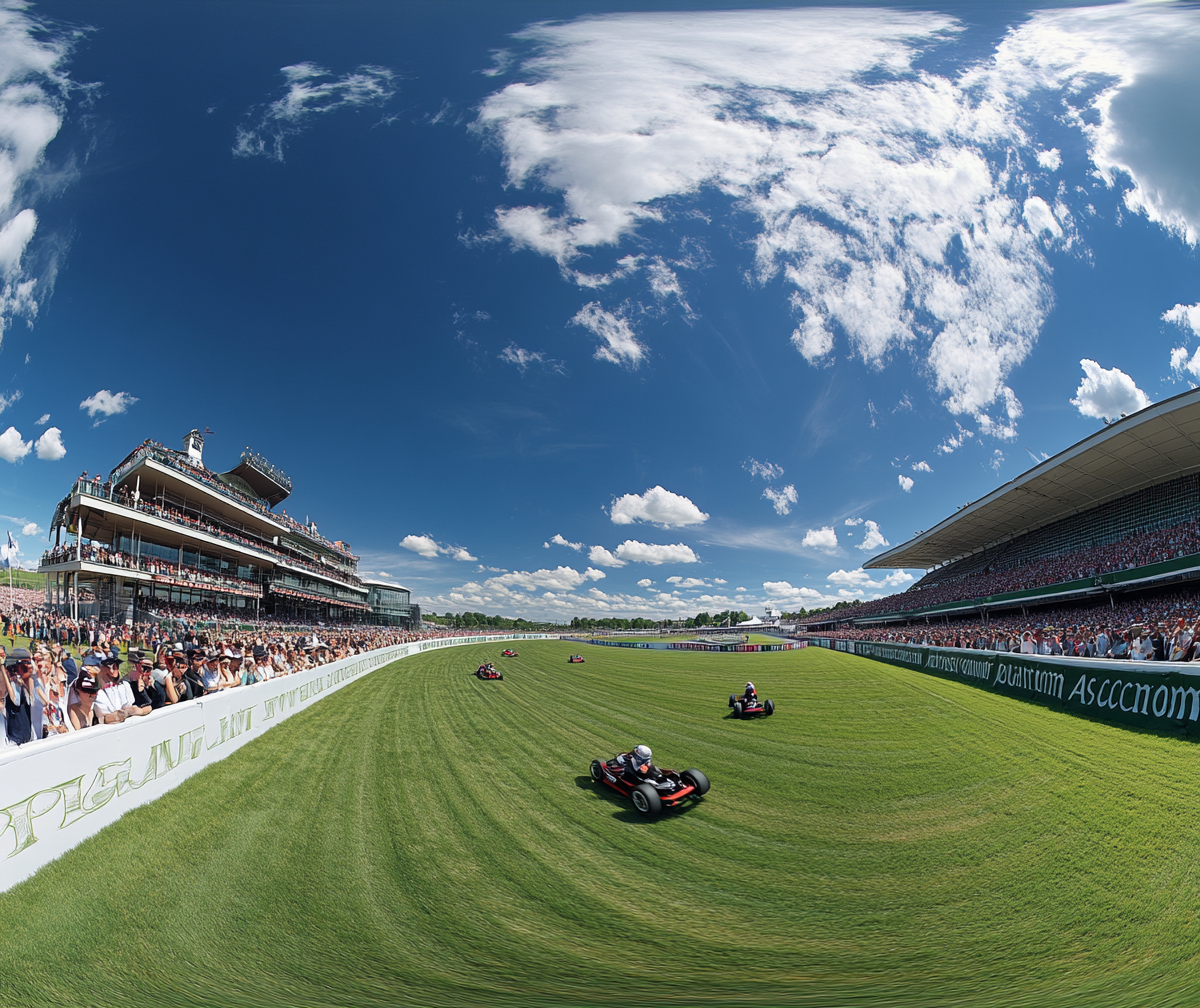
<point x="1157" y="695"/>
<point x="59" y="791"/>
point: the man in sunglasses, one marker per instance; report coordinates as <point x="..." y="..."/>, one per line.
<point x="20" y="698"/>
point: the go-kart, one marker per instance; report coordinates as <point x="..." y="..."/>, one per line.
<point x="658" y="790"/>
<point x="575" y="659"/>
<point x="754" y="707"/>
<point x="488" y="671"/>
<point x="507" y="653"/>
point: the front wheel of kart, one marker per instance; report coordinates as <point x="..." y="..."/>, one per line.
<point x="646" y="800"/>
<point x="597" y="769"/>
<point x="500" y="676"/>
<point x="737" y="709"/>
<point x="696" y="779"/>
<point x="769" y="707"/>
<point x="732" y="699"/>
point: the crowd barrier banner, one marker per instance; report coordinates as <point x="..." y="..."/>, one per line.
<point x="58" y="792"/>
<point x="1158" y="695"/>
<point x="688" y="645"/>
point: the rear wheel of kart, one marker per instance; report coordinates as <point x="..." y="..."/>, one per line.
<point x="597" y="769"/>
<point x="696" y="779"/>
<point x="769" y="707"/>
<point x="732" y="699"/>
<point x="737" y="709"/>
<point x="646" y="800"/>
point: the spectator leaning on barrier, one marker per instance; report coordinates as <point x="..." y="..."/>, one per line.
<point x="115" y="701"/>
<point x="82" y="712"/>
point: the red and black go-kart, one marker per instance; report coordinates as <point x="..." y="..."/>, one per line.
<point x="662" y="789"/>
<point x="488" y="671"/>
<point x="575" y="659"/>
<point x="754" y="707"/>
<point x="509" y="653"/>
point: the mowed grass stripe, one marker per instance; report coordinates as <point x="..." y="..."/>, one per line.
<point x="421" y="837"/>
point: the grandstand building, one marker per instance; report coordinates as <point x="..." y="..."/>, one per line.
<point x="1116" y="513"/>
<point x="163" y="530"/>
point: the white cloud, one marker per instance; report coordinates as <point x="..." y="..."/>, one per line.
<point x="645" y="583"/>
<point x="1187" y="316"/>
<point x="559" y="540"/>
<point x="621" y="345"/>
<point x="599" y="555"/>
<point x="822" y="538"/>
<point x="782" y="499"/>
<point x="49" y="445"/>
<point x="906" y="483"/>
<point x="924" y="467"/>
<point x="310" y="91"/>
<point x="560" y="579"/>
<point x="848" y="578"/>
<point x="997" y="460"/>
<point x="652" y="553"/>
<point x="872" y="537"/>
<point x="1107" y="394"/>
<point x="853" y="521"/>
<point x="6" y="401"/>
<point x="896" y="578"/>
<point x="873" y="195"/>
<point x="422" y="545"/>
<point x="458" y="553"/>
<point x="1180" y="362"/>
<point x="682" y="582"/>
<point x="12" y="448"/>
<point x="956" y="440"/>
<point x="524" y="359"/>
<point x="31" y="529"/>
<point x="658" y="506"/>
<point x="1040" y="217"/>
<point x="1049" y="159"/>
<point x="767" y="470"/>
<point x="107" y="404"/>
<point x="43" y="420"/>
<point x="720" y="581"/>
<point x="998" y="428"/>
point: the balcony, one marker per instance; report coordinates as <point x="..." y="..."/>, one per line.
<point x="151" y="569"/>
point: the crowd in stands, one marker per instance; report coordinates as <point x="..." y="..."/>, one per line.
<point x="98" y="553"/>
<point x="74" y="675"/>
<point x="1163" y="627"/>
<point x="943" y="585"/>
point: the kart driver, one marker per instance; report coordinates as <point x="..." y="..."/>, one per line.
<point x="637" y="763"/>
<point x="750" y="695"/>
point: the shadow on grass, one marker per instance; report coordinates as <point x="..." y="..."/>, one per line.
<point x="625" y="810"/>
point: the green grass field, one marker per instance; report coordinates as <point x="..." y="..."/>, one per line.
<point x="423" y="838"/>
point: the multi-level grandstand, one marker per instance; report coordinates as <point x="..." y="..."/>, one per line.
<point x="1116" y="513"/>
<point x="164" y="530"/>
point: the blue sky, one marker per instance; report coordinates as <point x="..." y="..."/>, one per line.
<point x="564" y="309"/>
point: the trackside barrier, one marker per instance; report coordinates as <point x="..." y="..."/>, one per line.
<point x="1156" y="695"/>
<point x="687" y="645"/>
<point x="58" y="792"/>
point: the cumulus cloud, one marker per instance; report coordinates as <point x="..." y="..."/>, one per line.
<point x="1107" y="394"/>
<point x="924" y="467"/>
<point x="956" y="440"/>
<point x="869" y="180"/>
<point x="782" y="498"/>
<point x="658" y="506"/>
<point x="645" y="583"/>
<point x="1181" y="362"/>
<point x="906" y="483"/>
<point x="682" y="582"/>
<point x="1049" y="159"/>
<point x="49" y="446"/>
<point x="853" y="521"/>
<point x="848" y="579"/>
<point x="822" y="538"/>
<point x="619" y="344"/>
<point x="559" y="540"/>
<point x="767" y="470"/>
<point x="105" y="404"/>
<point x="558" y="579"/>
<point x="31" y="529"/>
<point x="599" y="555"/>
<point x="428" y="547"/>
<point x="896" y="578"/>
<point x="12" y="448"/>
<point x="652" y="553"/>
<point x="1187" y="316"/>
<point x="872" y="537"/>
<point x="309" y="92"/>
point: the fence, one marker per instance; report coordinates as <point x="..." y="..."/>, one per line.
<point x="687" y="645"/>
<point x="58" y="792"/>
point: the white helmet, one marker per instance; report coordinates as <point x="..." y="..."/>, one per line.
<point x="642" y="753"/>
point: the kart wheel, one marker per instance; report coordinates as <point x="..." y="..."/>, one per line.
<point x="737" y="709"/>
<point x="646" y="800"/>
<point x="500" y="676"/>
<point x="732" y="699"/>
<point x="769" y="707"/>
<point x="597" y="769"/>
<point x="696" y="779"/>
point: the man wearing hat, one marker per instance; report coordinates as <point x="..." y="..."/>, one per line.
<point x="146" y="691"/>
<point x="22" y="705"/>
<point x="115" y="700"/>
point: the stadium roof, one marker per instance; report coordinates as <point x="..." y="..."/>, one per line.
<point x="1159" y="443"/>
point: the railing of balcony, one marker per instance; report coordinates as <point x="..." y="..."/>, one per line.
<point x="177" y="574"/>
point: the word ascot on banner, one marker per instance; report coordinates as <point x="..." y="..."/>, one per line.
<point x="1148" y="694"/>
<point x="58" y="792"/>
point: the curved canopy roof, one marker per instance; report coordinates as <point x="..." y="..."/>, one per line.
<point x="1159" y="443"/>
